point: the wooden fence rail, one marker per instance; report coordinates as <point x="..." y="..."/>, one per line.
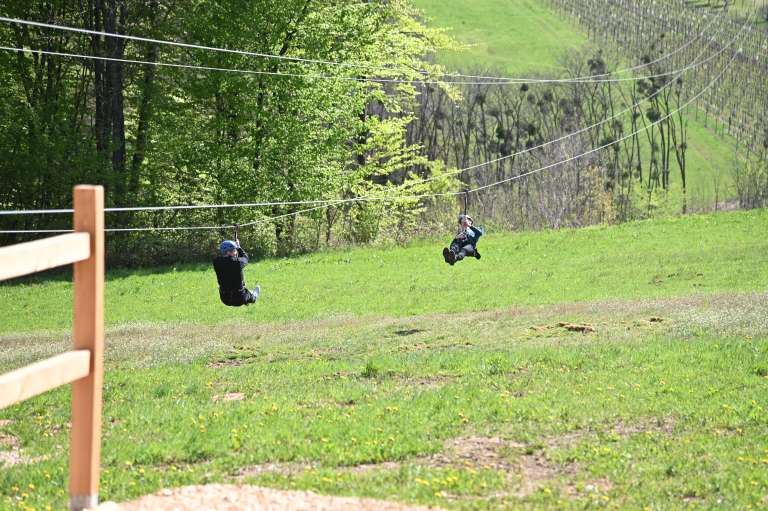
<point x="83" y="367"/>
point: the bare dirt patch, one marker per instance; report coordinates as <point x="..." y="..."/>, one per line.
<point x="281" y="468"/>
<point x="530" y="470"/>
<point x="535" y="470"/>
<point x="220" y="497"/>
<point x="11" y="441"/>
<point x="471" y="452"/>
<point x="424" y="382"/>
<point x="236" y="356"/>
<point x="478" y="452"/>
<point x="621" y="428"/>
<point x="587" y="487"/>
<point x="11" y="453"/>
<point x="576" y="327"/>
<point x="693" y="499"/>
<point x="229" y="396"/>
<point x="220" y="364"/>
<point x="409" y="331"/>
<point x="664" y="425"/>
<point x="371" y="467"/>
<point x="527" y="469"/>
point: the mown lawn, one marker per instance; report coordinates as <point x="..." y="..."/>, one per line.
<point x="677" y="256"/>
<point x="663" y="406"/>
<point x="386" y="373"/>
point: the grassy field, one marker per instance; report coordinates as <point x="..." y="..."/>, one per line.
<point x="707" y="253"/>
<point x="510" y="36"/>
<point x="386" y="373"/>
<point x="519" y="37"/>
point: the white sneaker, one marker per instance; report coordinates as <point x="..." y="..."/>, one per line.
<point x="256" y="291"/>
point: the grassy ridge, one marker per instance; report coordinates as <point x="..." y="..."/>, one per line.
<point x="702" y="254"/>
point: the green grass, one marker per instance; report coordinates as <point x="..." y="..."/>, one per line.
<point x="740" y="9"/>
<point x="638" y="414"/>
<point x="386" y="373"/>
<point x="711" y="163"/>
<point x="703" y="254"/>
<point x="516" y="37"/>
<point x="508" y="36"/>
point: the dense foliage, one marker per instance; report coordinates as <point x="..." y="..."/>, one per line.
<point x="168" y="135"/>
<point x="160" y="124"/>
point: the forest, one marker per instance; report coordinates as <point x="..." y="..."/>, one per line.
<point x="302" y="101"/>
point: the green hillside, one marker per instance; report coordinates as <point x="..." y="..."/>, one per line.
<point x="610" y="367"/>
<point x="518" y="37"/>
<point x="510" y="36"/>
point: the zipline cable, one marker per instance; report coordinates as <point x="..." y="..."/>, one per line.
<point x="400" y="198"/>
<point x="592" y="151"/>
<point x="581" y="155"/>
<point x="494" y="79"/>
<point x="551" y="81"/>
<point x="409" y="184"/>
<point x="631" y="108"/>
<point x="169" y="208"/>
<point x="563" y="81"/>
<point x="218" y="69"/>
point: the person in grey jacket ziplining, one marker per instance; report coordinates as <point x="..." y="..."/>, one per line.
<point x="465" y="242"/>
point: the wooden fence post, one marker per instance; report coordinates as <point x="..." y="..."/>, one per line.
<point x="88" y="334"/>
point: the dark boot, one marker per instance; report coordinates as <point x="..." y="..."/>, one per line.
<point x="477" y="254"/>
<point x="449" y="256"/>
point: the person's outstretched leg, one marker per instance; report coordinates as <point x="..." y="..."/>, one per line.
<point x="466" y="250"/>
<point x="231" y="299"/>
<point x="449" y="256"/>
<point x="253" y="295"/>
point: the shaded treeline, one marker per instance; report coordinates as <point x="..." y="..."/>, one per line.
<point x="171" y="135"/>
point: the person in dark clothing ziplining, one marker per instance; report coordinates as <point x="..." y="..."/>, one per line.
<point x="465" y="242"/>
<point x="229" y="272"/>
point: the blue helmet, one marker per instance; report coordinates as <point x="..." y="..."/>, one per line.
<point x="226" y="246"/>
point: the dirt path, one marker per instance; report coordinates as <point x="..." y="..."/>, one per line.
<point x="222" y="497"/>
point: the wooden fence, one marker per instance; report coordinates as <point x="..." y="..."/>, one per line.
<point x="83" y="366"/>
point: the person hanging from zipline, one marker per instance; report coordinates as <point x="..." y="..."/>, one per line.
<point x="229" y="266"/>
<point x="465" y="242"/>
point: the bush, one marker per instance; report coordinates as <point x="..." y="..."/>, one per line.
<point x="751" y="181"/>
